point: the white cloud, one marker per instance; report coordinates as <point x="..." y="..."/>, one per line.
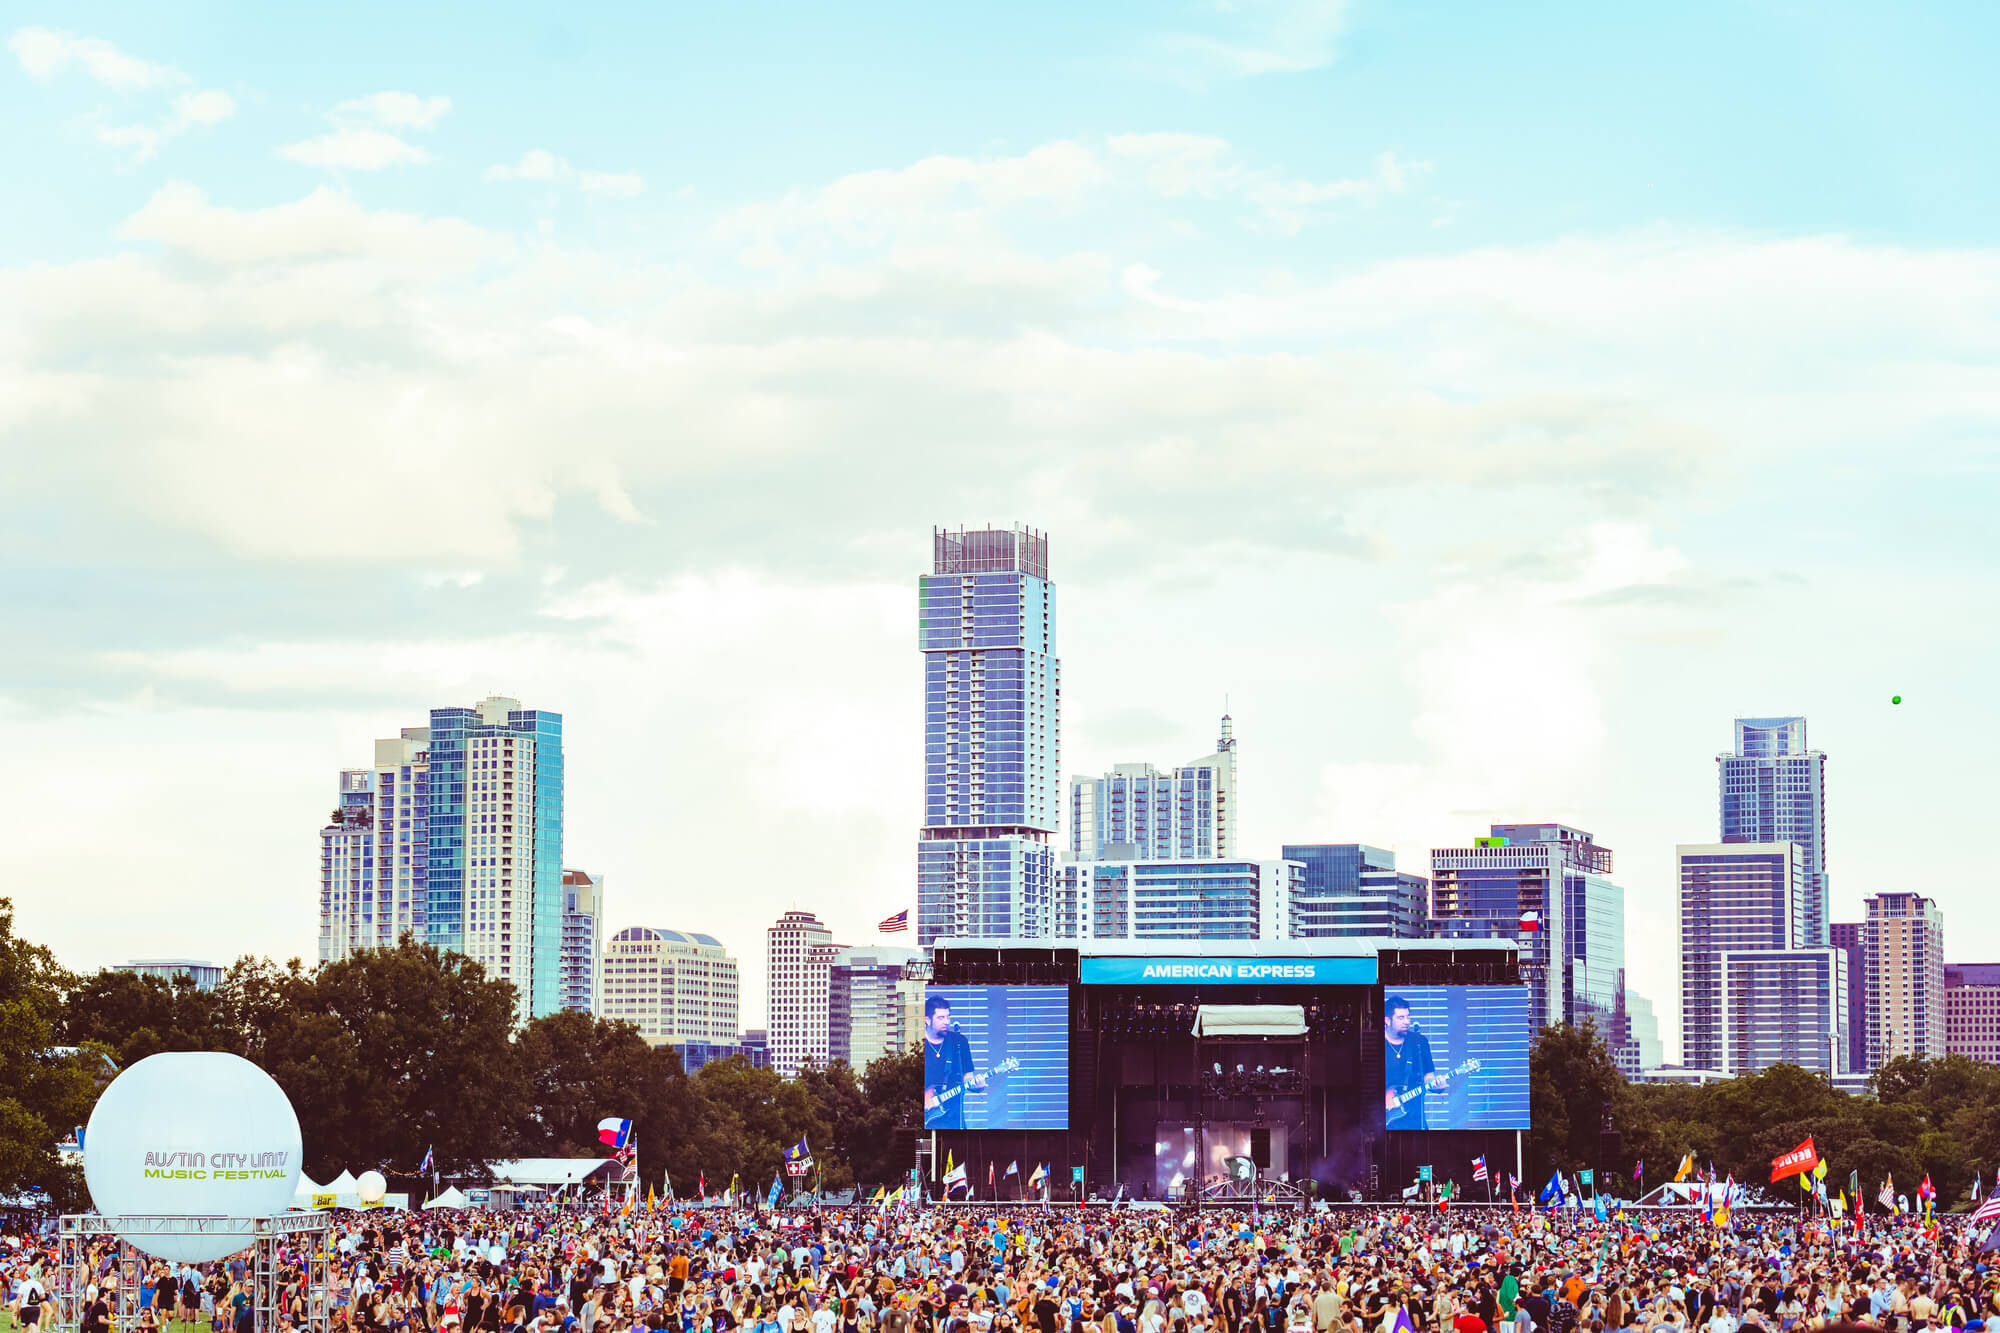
<point x="405" y="110"/>
<point x="196" y="110"/>
<point x="1199" y="165"/>
<point x="355" y="149"/>
<point x="538" y="164"/>
<point x="1246" y="38"/>
<point x="45" y="53"/>
<point x="324" y="223"/>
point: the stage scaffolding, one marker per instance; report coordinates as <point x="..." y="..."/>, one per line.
<point x="303" y="1236"/>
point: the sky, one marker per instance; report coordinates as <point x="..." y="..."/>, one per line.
<point x="1483" y="403"/>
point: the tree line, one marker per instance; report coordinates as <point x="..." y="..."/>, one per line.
<point x="399" y="1051"/>
<point x="1939" y="1118"/>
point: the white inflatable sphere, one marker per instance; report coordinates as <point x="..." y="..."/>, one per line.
<point x="371" y="1187"/>
<point x="192" y="1134"/>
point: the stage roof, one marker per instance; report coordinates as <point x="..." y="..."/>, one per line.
<point x="1353" y="947"/>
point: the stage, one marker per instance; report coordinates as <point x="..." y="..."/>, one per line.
<point x="1232" y="1071"/>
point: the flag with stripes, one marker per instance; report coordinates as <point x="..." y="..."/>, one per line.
<point x="1988" y="1211"/>
<point x="1479" y="1167"/>
<point x="896" y="923"/>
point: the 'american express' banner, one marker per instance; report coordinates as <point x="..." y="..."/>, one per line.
<point x="1198" y="971"/>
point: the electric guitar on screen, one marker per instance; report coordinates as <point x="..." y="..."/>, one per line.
<point x="943" y="1096"/>
<point x="1393" y="1101"/>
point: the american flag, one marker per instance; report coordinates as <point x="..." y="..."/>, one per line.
<point x="898" y="922"/>
<point x="1988" y="1211"/>
<point x="1479" y="1167"/>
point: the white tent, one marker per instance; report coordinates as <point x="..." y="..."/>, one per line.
<point x="451" y="1198"/>
<point x="302" y="1197"/>
<point x="345" y="1189"/>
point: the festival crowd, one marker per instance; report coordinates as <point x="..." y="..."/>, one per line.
<point x="965" y="1269"/>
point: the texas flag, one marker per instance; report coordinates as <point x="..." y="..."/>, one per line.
<point x="613" y="1132"/>
<point x="1531" y="921"/>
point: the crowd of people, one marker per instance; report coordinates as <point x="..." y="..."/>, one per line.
<point x="967" y="1269"/>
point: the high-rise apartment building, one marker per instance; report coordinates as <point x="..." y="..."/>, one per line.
<point x="1902" y="954"/>
<point x="1846" y="937"/>
<point x="1972" y="1011"/>
<point x="1773" y="789"/>
<point x="873" y="1008"/>
<point x="1547" y="887"/>
<point x="582" y="940"/>
<point x="992" y="738"/>
<point x="1137" y="813"/>
<point x="456" y="835"/>
<point x="675" y="987"/>
<point x="374" y="850"/>
<point x="1350" y="889"/>
<point x="1752" y="994"/>
<point x="1177" y="900"/>
<point x="798" y="960"/>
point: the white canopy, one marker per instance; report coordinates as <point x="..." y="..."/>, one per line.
<point x="344" y="1183"/>
<point x="1250" y="1020"/>
<point x="303" y="1194"/>
<point x="551" y="1171"/>
<point x="451" y="1198"/>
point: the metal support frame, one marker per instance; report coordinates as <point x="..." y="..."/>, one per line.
<point x="303" y="1237"/>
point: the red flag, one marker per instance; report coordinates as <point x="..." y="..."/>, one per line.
<point x="989" y="1175"/>
<point x="1802" y="1158"/>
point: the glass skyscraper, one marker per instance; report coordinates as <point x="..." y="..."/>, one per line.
<point x="1137" y="813"/>
<point x="1773" y="789"/>
<point x="1349" y="889"/>
<point x="456" y="836"/>
<point x="992" y="736"/>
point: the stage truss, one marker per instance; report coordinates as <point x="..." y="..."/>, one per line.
<point x="1254" y="1189"/>
<point x="303" y="1236"/>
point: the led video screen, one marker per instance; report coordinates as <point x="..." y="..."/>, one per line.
<point x="1455" y="1057"/>
<point x="996" y="1057"/>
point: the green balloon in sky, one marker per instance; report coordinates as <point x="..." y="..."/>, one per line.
<point x="1895" y="698"/>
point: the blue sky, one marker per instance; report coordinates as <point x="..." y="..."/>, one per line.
<point x="1491" y="401"/>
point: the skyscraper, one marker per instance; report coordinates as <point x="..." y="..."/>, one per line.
<point x="456" y="836"/>
<point x="1137" y="813"/>
<point x="675" y="987"/>
<point x="873" y="1008"/>
<point x="1902" y="951"/>
<point x="1972" y="1011"/>
<point x="1197" y="899"/>
<point x="582" y="940"/>
<point x="798" y="956"/>
<point x="1773" y="789"/>
<point x="992" y="738"/>
<point x="1752" y="994"/>
<point x="1846" y="937"/>
<point x="1351" y="889"/>
<point x="1548" y="887"/>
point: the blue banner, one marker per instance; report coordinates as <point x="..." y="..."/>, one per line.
<point x="1196" y="970"/>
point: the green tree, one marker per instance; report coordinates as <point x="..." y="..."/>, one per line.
<point x="136" y="1016"/>
<point x="763" y="1116"/>
<point x="386" y="1054"/>
<point x="43" y="1093"/>
<point x="1572" y="1084"/>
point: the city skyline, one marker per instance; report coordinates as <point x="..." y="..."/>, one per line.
<point x="1461" y="427"/>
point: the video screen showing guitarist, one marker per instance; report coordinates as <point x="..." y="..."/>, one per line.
<point x="1407" y="1067"/>
<point x="947" y="1064"/>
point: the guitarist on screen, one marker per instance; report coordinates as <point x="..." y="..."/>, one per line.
<point x="947" y="1064"/>
<point x="1406" y="1064"/>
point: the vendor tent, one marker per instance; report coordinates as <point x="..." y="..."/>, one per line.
<point x="452" y="1197"/>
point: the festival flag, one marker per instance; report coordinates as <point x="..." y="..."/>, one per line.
<point x="429" y="1164"/>
<point x="800" y="1152"/>
<point x="1014" y="1168"/>
<point x="1531" y="921"/>
<point x="1988" y="1211"/>
<point x="1887" y="1198"/>
<point x="1039" y="1178"/>
<point x="1854" y="1183"/>
<point x="1602" y="1216"/>
<point x="1686" y="1168"/>
<point x="1802" y="1158"/>
<point x="1975" y="1187"/>
<point x="652" y="1204"/>
<point x="989" y="1176"/>
<point x="954" y="1176"/>
<point x="1639" y="1169"/>
<point x="1553" y="1190"/>
<point x="777" y="1191"/>
<point x="613" y="1132"/>
<point x="732" y="1187"/>
<point x="1479" y="1167"/>
<point x="895" y="924"/>
<point x="701" y="1185"/>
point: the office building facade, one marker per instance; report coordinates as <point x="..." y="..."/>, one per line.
<point x="873" y="1008"/>
<point x="1846" y="937"/>
<point x="1773" y="790"/>
<point x="1641" y="1049"/>
<point x="1902" y="953"/>
<point x="201" y="975"/>
<point x="1178" y="900"/>
<point x="375" y="850"/>
<point x="986" y="861"/>
<point x="1972" y="1011"/>
<point x="1547" y="887"/>
<point x="1752" y="992"/>
<point x="1351" y="889"/>
<point x="674" y="986"/>
<point x="1138" y="813"/>
<point x="798" y="959"/>
<point x="582" y="955"/>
